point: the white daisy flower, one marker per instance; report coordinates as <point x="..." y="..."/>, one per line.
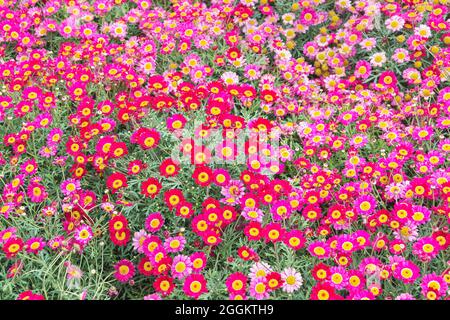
<point x="260" y="269"/>
<point x="378" y="59"/>
<point x="423" y="30"/>
<point x="230" y="78"/>
<point x="395" y="23"/>
<point x="293" y="280"/>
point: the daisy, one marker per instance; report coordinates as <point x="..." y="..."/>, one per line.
<point x="6" y="209"/>
<point x="119" y="30"/>
<point x="405" y="296"/>
<point x="378" y="59"/>
<point x="368" y="44"/>
<point x="283" y="55"/>
<point x="203" y="42"/>
<point x="362" y="69"/>
<point x="401" y="55"/>
<point x="433" y="283"/>
<point x="181" y="266"/>
<point x="253" y="214"/>
<point x="285" y="153"/>
<point x="288" y="18"/>
<point x="8" y="233"/>
<point x="12" y="247"/>
<point x="60" y="161"/>
<point x="323" y="291"/>
<point x="164" y="285"/>
<point x="36" y="192"/>
<point x="356" y="280"/>
<point x="233" y="191"/>
<point x="426" y="248"/>
<point x="259" y="269"/>
<point x="153" y="296"/>
<point x="395" y="23"/>
<point x="370" y="265"/>
<point x="319" y="249"/>
<point x="365" y="204"/>
<point x="412" y="75"/>
<point x="281" y="209"/>
<point x="48" y="151"/>
<point x="358" y="141"/>
<point x="396" y="191"/>
<point x="29" y="167"/>
<point x="70" y="186"/>
<point x="138" y="240"/>
<point x="15" y="269"/>
<point x="34" y="245"/>
<point x="55" y="242"/>
<point x="423" y="31"/>
<point x="230" y="78"/>
<point x="124" y="270"/>
<point x="252" y="71"/>
<point x="29" y="295"/>
<point x="154" y="222"/>
<point x="174" y="244"/>
<point x="421" y="214"/>
<point x="107" y="206"/>
<point x="361" y="295"/>
<point x="249" y="3"/>
<point x="199" y="260"/>
<point x="236" y="283"/>
<point x="239" y="62"/>
<point x="338" y="277"/>
<point x="73" y="274"/>
<point x="195" y="285"/>
<point x="83" y="234"/>
<point x="147" y="65"/>
<point x="406" y="271"/>
<point x="292" y="280"/>
<point x="259" y="288"/>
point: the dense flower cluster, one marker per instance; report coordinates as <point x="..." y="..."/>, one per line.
<point x="248" y="149"/>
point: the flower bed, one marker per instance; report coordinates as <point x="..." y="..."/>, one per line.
<point x="224" y="149"/>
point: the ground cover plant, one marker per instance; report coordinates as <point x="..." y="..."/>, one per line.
<point x="224" y="149"/>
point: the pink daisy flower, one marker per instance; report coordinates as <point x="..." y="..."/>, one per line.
<point x="365" y="205"/>
<point x="405" y="296"/>
<point x="83" y="234"/>
<point x="281" y="210"/>
<point x="181" y="266"/>
<point x="70" y="186"/>
<point x="338" y="277"/>
<point x="426" y="248"/>
<point x="292" y="280"/>
<point x="259" y="288"/>
<point x="435" y="283"/>
<point x="34" y="245"/>
<point x="253" y="214"/>
<point x="319" y="249"/>
<point x="153" y="296"/>
<point x="407" y="272"/>
<point x="29" y="167"/>
<point x="138" y="240"/>
<point x="154" y="222"/>
<point x="174" y="244"/>
<point x="36" y="192"/>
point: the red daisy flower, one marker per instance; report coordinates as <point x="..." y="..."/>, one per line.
<point x="150" y="187"/>
<point x="195" y="285"/>
<point x="124" y="270"/>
